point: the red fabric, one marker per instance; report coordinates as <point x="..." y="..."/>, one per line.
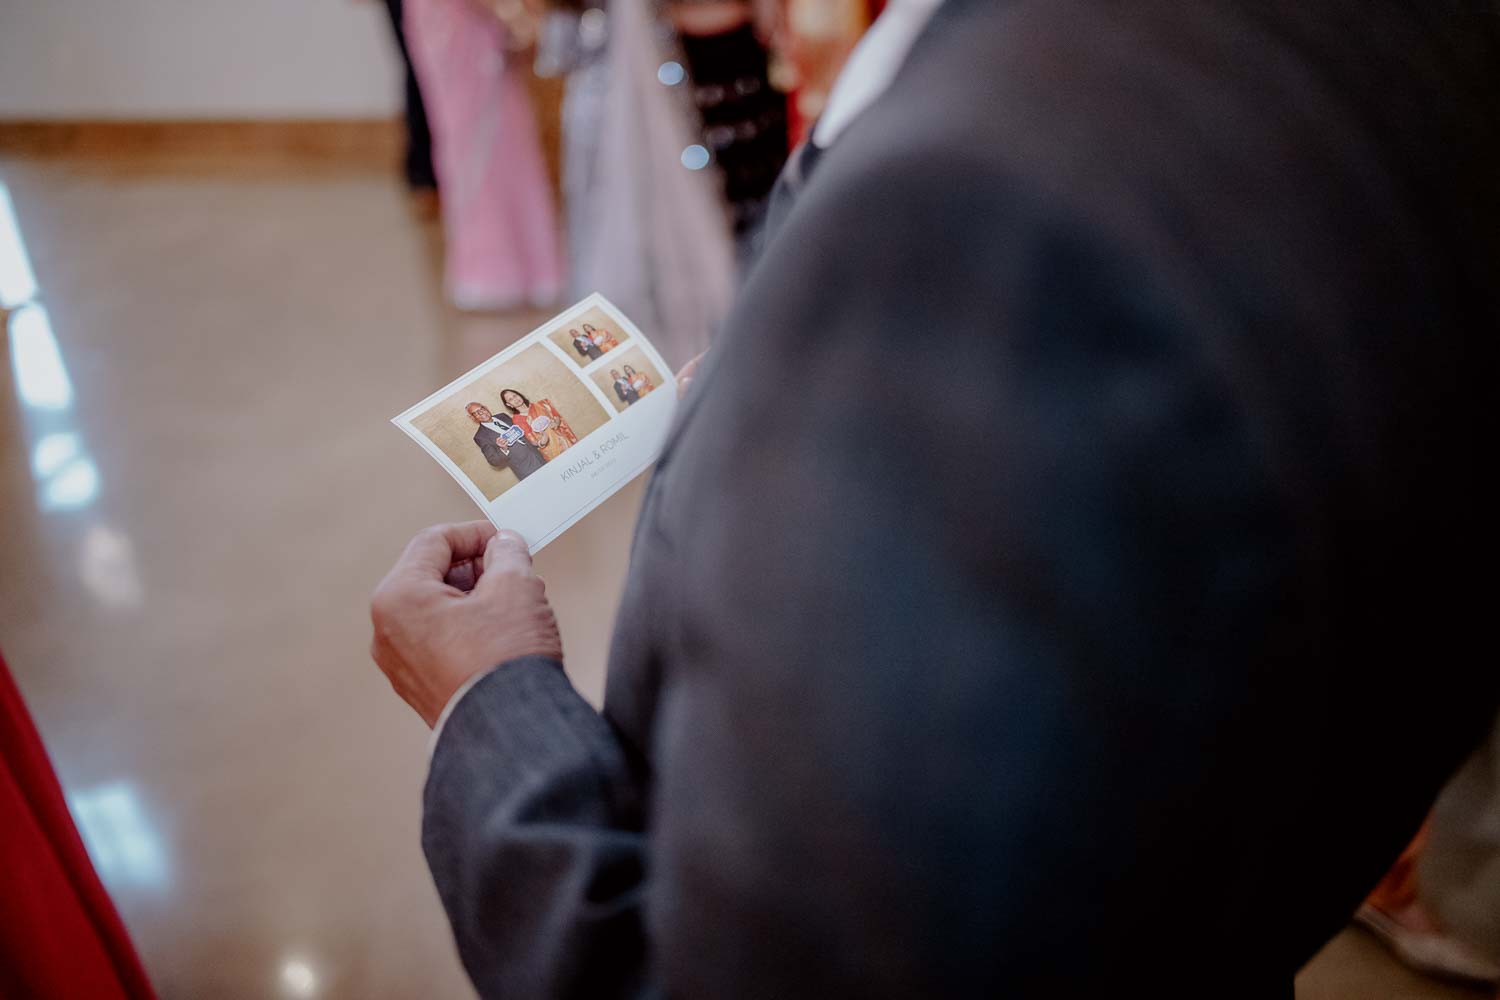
<point x="816" y="63"/>
<point x="60" y="936"/>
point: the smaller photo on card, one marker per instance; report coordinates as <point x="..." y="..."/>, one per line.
<point x="537" y="442"/>
<point x="590" y="337"/>
<point x="628" y="378"/>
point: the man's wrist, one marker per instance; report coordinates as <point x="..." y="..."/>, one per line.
<point x="471" y="683"/>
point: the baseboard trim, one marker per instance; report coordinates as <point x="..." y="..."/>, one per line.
<point x="342" y="139"/>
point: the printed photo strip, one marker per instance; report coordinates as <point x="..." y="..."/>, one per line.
<point x="555" y="424"/>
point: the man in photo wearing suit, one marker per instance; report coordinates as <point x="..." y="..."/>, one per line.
<point x="585" y="346"/>
<point x="503" y="444"/>
<point x="1077" y="700"/>
<point x="623" y="388"/>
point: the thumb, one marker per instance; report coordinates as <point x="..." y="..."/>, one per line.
<point x="506" y="555"/>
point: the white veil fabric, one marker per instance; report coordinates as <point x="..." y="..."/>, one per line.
<point x="651" y="235"/>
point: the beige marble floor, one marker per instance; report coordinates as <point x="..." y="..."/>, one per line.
<point x="199" y="488"/>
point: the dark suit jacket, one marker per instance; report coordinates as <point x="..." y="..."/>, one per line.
<point x="1143" y="662"/>
<point x="626" y="392"/>
<point x="587" y="349"/>
<point x="522" y="458"/>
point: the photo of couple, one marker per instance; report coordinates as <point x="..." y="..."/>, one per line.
<point x="505" y="424"/>
<point x="630" y="381"/>
<point x="524" y="437"/>
<point x="589" y="336"/>
<point x="593" y="343"/>
<point x="630" y="385"/>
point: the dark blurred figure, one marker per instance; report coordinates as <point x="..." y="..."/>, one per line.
<point x="418" y="161"/>
<point x="420" y="176"/>
<point x="744" y="116"/>
<point x="1095" y="450"/>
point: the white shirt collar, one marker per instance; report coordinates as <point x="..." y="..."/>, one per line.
<point x="873" y="65"/>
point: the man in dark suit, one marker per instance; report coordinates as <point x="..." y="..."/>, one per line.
<point x="585" y="346"/>
<point x="503" y="443"/>
<point x="623" y="388"/>
<point x="1078" y="698"/>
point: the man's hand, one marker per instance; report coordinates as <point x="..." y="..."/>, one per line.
<point x="687" y="372"/>
<point x="461" y="599"/>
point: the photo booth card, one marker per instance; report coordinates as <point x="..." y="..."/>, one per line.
<point x="555" y="424"/>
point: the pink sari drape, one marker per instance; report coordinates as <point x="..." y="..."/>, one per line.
<point x="498" y="211"/>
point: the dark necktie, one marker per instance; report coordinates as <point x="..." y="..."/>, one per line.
<point x="794" y="177"/>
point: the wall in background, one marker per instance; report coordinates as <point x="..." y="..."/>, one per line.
<point x="168" y="59"/>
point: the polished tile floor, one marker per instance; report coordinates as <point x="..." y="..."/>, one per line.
<point x="200" y="487"/>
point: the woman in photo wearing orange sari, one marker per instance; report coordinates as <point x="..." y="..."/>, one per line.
<point x="603" y="339"/>
<point x="639" y="381"/>
<point x="544" y="425"/>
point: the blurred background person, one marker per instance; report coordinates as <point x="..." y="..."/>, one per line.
<point x="1460" y="869"/>
<point x="571" y="44"/>
<point x="673" y="135"/>
<point x="743" y="116"/>
<point x="1400" y="914"/>
<point x="647" y="223"/>
<point x="1438" y="908"/>
<point x="500" y="225"/>
<point x="417" y="160"/>
<point x="813" y="40"/>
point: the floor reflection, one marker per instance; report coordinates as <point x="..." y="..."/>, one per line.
<point x="67" y="477"/>
<point x="298" y="978"/>
<point x="126" y="850"/>
<point x="17" y="282"/>
<point x="106" y="565"/>
<point x="41" y="378"/>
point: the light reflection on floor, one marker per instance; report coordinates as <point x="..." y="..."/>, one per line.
<point x="125" y="849"/>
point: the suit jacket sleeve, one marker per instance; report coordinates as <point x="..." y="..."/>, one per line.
<point x="492" y="452"/>
<point x="532" y="829"/>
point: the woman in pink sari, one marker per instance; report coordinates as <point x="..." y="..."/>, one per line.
<point x="501" y="229"/>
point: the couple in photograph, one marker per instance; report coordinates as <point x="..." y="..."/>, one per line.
<point x="592" y="343"/>
<point x="631" y="386"/>
<point x="523" y="439"/>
